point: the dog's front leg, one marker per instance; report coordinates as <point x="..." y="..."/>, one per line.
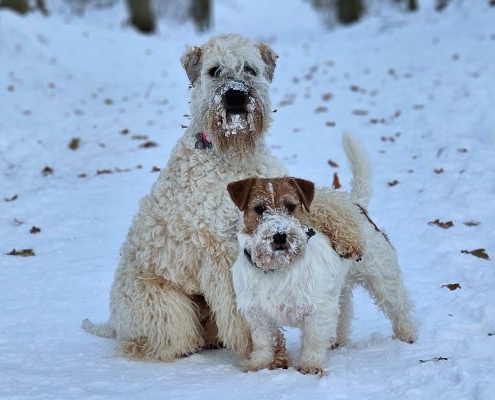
<point x="218" y="289"/>
<point x="268" y="343"/>
<point x="318" y="331"/>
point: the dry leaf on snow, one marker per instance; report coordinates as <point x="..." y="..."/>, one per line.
<point x="442" y="224"/>
<point x="480" y="253"/>
<point x="22" y="253"/>
<point x="452" y="286"/>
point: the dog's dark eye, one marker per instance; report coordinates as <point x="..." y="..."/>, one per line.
<point x="260" y="209"/>
<point x="290" y="207"/>
<point x="214" y="71"/>
<point x="249" y="70"/>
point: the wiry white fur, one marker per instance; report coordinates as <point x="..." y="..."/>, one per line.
<point x="304" y="294"/>
<point x="181" y="243"/>
<point x="378" y="271"/>
<point x="314" y="290"/>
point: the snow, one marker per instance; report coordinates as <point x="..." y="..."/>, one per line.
<point x="417" y="89"/>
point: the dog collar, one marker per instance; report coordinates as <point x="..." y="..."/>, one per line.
<point x="203" y="141"/>
<point x="250" y="259"/>
<point x="310" y="232"/>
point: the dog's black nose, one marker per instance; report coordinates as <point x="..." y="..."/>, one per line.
<point x="280" y="238"/>
<point x="235" y="98"/>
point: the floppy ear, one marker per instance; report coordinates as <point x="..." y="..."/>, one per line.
<point x="192" y="61"/>
<point x="239" y="192"/>
<point x="269" y="57"/>
<point x="306" y="190"/>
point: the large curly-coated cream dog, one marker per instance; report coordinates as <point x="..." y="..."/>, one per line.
<point x="173" y="292"/>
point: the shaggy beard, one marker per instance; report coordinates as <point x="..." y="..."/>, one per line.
<point x="237" y="134"/>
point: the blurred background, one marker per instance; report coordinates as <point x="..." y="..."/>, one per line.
<point x="148" y="16"/>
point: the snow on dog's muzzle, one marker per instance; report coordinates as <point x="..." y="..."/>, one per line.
<point x="277" y="242"/>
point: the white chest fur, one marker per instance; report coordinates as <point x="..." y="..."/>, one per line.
<point x="286" y="297"/>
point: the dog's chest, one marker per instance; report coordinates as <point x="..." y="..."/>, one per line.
<point x="288" y="307"/>
<point x="289" y="296"/>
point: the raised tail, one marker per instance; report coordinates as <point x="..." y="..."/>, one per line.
<point x="359" y="164"/>
<point x="103" y="330"/>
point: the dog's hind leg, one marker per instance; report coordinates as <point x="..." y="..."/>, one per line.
<point x="345" y="317"/>
<point x="206" y="317"/>
<point x="382" y="278"/>
<point x="156" y="321"/>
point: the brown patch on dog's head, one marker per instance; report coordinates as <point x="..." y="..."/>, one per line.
<point x="255" y="196"/>
<point x="306" y="190"/>
<point x="239" y="192"/>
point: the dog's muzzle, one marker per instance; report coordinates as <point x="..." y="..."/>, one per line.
<point x="277" y="242"/>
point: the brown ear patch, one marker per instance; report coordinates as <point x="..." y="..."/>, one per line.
<point x="269" y="57"/>
<point x="192" y="62"/>
<point x="305" y="189"/>
<point x="239" y="192"/>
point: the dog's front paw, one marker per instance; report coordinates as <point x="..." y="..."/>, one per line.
<point x="353" y="253"/>
<point x="259" y="360"/>
<point x="249" y="366"/>
<point x="335" y="345"/>
<point x="406" y="336"/>
<point x="281" y="360"/>
<point x="311" y="370"/>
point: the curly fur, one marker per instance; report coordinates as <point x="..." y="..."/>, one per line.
<point x="173" y="293"/>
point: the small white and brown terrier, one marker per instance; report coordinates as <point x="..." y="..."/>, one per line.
<point x="289" y="271"/>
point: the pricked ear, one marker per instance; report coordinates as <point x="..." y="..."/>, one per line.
<point x="269" y="57"/>
<point x="306" y="190"/>
<point x="192" y="60"/>
<point x="239" y="192"/>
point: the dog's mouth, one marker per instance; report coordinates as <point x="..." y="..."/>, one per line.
<point x="234" y="108"/>
<point x="276" y="257"/>
<point x="236" y="119"/>
<point x="236" y="101"/>
<point x="238" y="105"/>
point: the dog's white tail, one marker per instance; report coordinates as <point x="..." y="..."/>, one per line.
<point x="359" y="164"/>
<point x="103" y="330"/>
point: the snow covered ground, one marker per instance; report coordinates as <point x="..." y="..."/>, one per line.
<point x="89" y="110"/>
